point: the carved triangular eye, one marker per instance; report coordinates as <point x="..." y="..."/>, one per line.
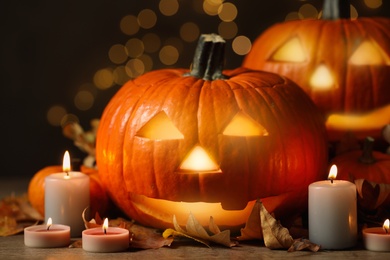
<point x="199" y="161"/>
<point x="322" y="78"/>
<point x="290" y="51"/>
<point x="369" y="53"/>
<point x="243" y="125"/>
<point x="160" y="127"/>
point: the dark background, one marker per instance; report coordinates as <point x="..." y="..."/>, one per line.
<point x="50" y="48"/>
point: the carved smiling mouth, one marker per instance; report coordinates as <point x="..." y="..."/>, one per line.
<point x="165" y="210"/>
<point x="363" y="123"/>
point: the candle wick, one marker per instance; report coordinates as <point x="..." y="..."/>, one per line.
<point x="331" y="180"/>
<point x="105" y="231"/>
<point x="67" y="173"/>
<point x="387" y="231"/>
<point x="48" y="227"/>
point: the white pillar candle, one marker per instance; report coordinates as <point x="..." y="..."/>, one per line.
<point x="47" y="235"/>
<point x="377" y="238"/>
<point x="333" y="213"/>
<point x="105" y="239"/>
<point x="66" y="196"/>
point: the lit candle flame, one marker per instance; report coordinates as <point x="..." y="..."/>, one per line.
<point x="332" y="173"/>
<point x="49" y="223"/>
<point x="66" y="163"/>
<point x="105" y="225"/>
<point x="386" y="226"/>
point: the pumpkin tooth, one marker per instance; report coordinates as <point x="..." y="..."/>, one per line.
<point x="237" y="204"/>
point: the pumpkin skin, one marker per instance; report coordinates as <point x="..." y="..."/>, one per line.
<point x="360" y="90"/>
<point x="99" y="200"/>
<point x="142" y="174"/>
<point x="365" y="164"/>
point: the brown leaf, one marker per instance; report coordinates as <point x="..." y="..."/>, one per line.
<point x="302" y="244"/>
<point x="76" y="244"/>
<point x="252" y="229"/>
<point x="372" y="195"/>
<point x="275" y="235"/>
<point x="143" y="237"/>
<point x="195" y="231"/>
<point x="16" y="213"/>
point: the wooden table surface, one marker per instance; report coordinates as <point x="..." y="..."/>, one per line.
<point x="13" y="247"/>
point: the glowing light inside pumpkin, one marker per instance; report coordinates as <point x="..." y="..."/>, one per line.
<point x="386" y="226"/>
<point x="369" y="53"/>
<point x="332" y="173"/>
<point x="291" y="51"/>
<point x="49" y="223"/>
<point x="375" y="119"/>
<point x="66" y="164"/>
<point x="200" y="210"/>
<point x="198" y="161"/>
<point x="160" y="127"/>
<point x="243" y="125"/>
<point x="322" y="78"/>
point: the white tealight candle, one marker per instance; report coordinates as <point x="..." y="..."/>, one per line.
<point x="66" y="196"/>
<point x="105" y="239"/>
<point x="48" y="235"/>
<point x="377" y="238"/>
<point x="333" y="213"/>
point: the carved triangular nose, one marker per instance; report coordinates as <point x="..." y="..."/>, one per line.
<point x="199" y="161"/>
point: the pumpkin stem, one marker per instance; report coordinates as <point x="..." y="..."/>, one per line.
<point x="367" y="156"/>
<point x="336" y="9"/>
<point x="209" y="58"/>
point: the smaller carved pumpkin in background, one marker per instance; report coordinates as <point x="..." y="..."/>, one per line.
<point x="371" y="166"/>
<point x="342" y="64"/>
<point x="99" y="200"/>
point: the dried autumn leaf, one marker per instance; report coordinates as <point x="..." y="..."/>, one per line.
<point x="275" y="235"/>
<point x="15" y="214"/>
<point x="302" y="244"/>
<point x="195" y="231"/>
<point x="384" y="191"/>
<point x="143" y="237"/>
<point x="372" y="195"/>
<point x="252" y="229"/>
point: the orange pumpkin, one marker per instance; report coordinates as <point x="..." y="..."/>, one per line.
<point x="342" y="64"/>
<point x="372" y="166"/>
<point x="365" y="164"/>
<point x="99" y="200"/>
<point x="250" y="135"/>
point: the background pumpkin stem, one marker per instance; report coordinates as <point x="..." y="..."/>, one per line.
<point x="336" y="9"/>
<point x="209" y="57"/>
<point x="367" y="156"/>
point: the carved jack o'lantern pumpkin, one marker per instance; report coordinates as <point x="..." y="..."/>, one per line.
<point x="175" y="142"/>
<point x="342" y="64"/>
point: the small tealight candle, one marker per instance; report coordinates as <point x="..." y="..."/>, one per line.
<point x="48" y="235"/>
<point x="66" y="197"/>
<point x="333" y="213"/>
<point x="377" y="238"/>
<point x="105" y="239"/>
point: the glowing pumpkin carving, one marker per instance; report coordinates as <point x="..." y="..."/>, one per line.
<point x="250" y="135"/>
<point x="342" y="64"/>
